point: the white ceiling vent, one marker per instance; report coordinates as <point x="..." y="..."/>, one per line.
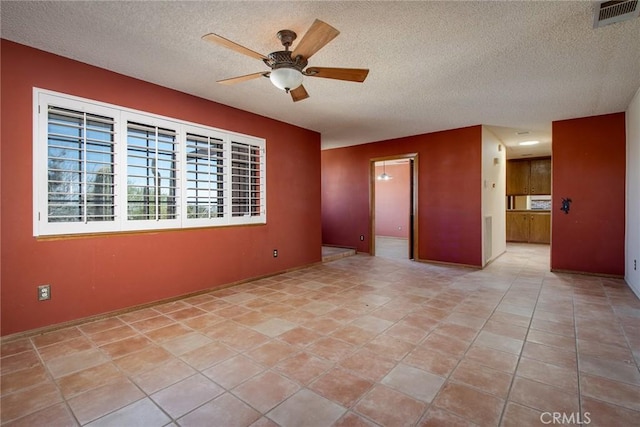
<point x="610" y="12"/>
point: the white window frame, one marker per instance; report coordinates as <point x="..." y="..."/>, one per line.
<point x="42" y="98"/>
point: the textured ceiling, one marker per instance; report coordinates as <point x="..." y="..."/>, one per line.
<point x="514" y="66"/>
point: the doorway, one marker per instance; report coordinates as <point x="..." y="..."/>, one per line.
<point x="393" y="201"/>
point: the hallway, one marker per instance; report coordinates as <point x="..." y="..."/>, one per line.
<point x="357" y="341"/>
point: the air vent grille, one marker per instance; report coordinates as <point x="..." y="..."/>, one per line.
<point x="610" y="12"/>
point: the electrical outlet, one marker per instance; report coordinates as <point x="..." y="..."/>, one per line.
<point x="634" y="264"/>
<point x="275" y="253"/>
<point x="44" y="292"/>
<point x="362" y="237"/>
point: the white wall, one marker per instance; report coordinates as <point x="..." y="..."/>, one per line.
<point x="632" y="233"/>
<point x="494" y="189"/>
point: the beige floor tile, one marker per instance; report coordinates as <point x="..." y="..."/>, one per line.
<point x="306" y="408"/>
<point x="388" y="407"/>
<point x="100" y="401"/>
<point x="163" y="376"/>
<point x="226" y="410"/>
<point x="266" y="391"/>
<point x="186" y="343"/>
<point x="142" y="411"/>
<point x="233" y="371"/>
<point x="207" y="355"/>
<point x="274" y="327"/>
<point x="186" y="395"/>
<point x="414" y="382"/>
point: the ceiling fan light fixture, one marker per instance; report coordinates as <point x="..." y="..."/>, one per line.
<point x="286" y="78"/>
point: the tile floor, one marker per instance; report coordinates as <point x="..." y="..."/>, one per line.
<point x="360" y="341"/>
<point x="392" y="247"/>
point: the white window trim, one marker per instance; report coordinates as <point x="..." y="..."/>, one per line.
<point x="42" y="227"/>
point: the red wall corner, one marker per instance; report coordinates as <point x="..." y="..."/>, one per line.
<point x="589" y="168"/>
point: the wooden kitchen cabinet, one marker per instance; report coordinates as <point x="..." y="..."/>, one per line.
<point x="526" y="177"/>
<point x="540" y="228"/>
<point x="517" y="227"/>
<point x="518" y="174"/>
<point x="540" y="177"/>
<point x="529" y="227"/>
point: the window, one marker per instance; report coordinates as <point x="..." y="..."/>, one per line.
<point x="103" y="168"/>
<point x="245" y="179"/>
<point x="205" y="170"/>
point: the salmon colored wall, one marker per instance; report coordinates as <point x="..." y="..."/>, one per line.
<point x="393" y="201"/>
<point x="98" y="274"/>
<point x="589" y="168"/>
<point x="449" y="199"/>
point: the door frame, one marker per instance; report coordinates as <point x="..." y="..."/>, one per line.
<point x="413" y="200"/>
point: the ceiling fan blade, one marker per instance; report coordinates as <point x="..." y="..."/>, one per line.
<point x="240" y="79"/>
<point x="299" y="93"/>
<point x="317" y="36"/>
<point x="219" y="40"/>
<point x="348" y="74"/>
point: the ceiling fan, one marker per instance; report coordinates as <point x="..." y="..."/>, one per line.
<point x="288" y="67"/>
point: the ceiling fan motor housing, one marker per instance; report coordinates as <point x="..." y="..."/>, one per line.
<point x="283" y="59"/>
